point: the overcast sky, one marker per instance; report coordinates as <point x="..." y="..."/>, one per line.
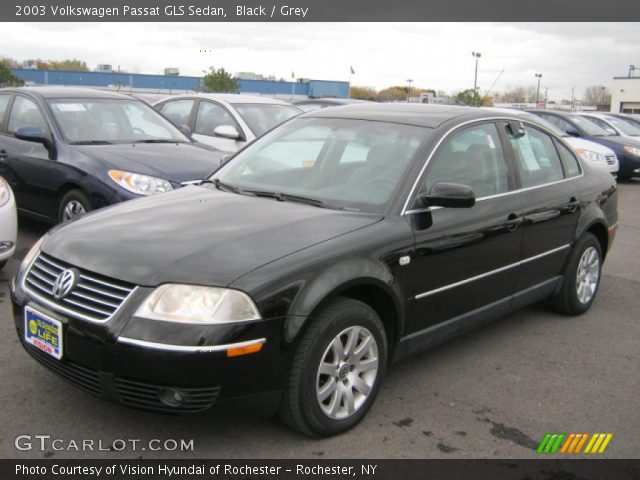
<point x="434" y="55"/>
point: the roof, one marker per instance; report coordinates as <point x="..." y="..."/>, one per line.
<point x="423" y="115"/>
<point x="70" y="92"/>
<point x="233" y="98"/>
<point x="557" y="112"/>
<point x="334" y="101"/>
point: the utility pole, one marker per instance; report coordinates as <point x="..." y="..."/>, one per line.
<point x="538" y="76"/>
<point x="477" y="55"/>
<point x="409" y="82"/>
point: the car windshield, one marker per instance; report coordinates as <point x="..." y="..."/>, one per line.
<point x="337" y="163"/>
<point x="96" y="121"/>
<point x="625" y="126"/>
<point x="262" y="117"/>
<point x="589" y="127"/>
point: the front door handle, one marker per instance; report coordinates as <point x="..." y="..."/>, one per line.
<point x="3" y="154"/>
<point x="513" y="222"/>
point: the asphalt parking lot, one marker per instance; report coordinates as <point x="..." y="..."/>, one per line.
<point x="492" y="393"/>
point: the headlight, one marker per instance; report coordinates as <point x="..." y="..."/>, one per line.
<point x="28" y="258"/>
<point x="633" y="150"/>
<point x="197" y="304"/>
<point x="591" y="156"/>
<point x="139" y="184"/>
<point x="5" y="192"/>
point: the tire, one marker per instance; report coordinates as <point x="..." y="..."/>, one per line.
<point x="73" y="205"/>
<point x="579" y="289"/>
<point x="301" y="408"/>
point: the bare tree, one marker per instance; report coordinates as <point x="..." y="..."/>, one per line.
<point x="597" y="95"/>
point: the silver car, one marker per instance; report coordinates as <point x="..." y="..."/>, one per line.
<point x="226" y="121"/>
<point x="613" y="124"/>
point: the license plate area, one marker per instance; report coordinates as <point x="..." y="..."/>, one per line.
<point x="43" y="332"/>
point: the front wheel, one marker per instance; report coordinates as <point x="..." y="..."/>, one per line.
<point x="73" y="205"/>
<point x="582" y="277"/>
<point x="336" y="371"/>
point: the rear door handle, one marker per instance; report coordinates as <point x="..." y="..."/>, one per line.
<point x="3" y="154"/>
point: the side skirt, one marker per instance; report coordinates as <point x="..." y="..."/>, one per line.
<point x="437" y="334"/>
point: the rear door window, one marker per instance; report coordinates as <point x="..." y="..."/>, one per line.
<point x="537" y="158"/>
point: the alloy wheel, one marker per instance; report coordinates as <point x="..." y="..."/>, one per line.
<point x="347" y="372"/>
<point x="588" y="275"/>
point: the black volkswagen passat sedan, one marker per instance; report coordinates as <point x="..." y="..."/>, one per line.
<point x="339" y="242"/>
<point x="66" y="151"/>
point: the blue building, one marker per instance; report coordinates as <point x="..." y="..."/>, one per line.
<point x="179" y="84"/>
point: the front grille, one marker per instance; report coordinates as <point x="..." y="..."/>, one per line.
<point x="147" y="397"/>
<point x="611" y="159"/>
<point x="83" y="377"/>
<point x="94" y="298"/>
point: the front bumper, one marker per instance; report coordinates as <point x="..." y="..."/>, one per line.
<point x="168" y="368"/>
<point x="8" y="229"/>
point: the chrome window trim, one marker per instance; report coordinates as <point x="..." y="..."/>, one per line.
<point x="61" y="309"/>
<point x="187" y="348"/>
<point x="405" y="209"/>
<point x="492" y="272"/>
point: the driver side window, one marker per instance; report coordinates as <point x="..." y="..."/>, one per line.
<point x="210" y="116"/>
<point x="473" y="157"/>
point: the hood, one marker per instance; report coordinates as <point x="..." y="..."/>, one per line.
<point x="196" y="235"/>
<point x="616" y="141"/>
<point x="576" y="142"/>
<point x="176" y="162"/>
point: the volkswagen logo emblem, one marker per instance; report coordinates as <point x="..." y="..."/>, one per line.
<point x="64" y="283"/>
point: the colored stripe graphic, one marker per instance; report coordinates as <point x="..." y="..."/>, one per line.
<point x="598" y="443"/>
<point x="572" y="443"/>
<point x="550" y="442"/>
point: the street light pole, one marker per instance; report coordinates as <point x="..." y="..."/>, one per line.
<point x="538" y="76"/>
<point x="477" y="55"/>
<point x="409" y="82"/>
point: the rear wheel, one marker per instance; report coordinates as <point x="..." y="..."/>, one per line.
<point x="581" y="278"/>
<point x="336" y="371"/>
<point x="73" y="205"/>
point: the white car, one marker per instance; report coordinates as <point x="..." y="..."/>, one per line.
<point x="614" y="125"/>
<point x="8" y="222"/>
<point x="587" y="150"/>
<point x="226" y="121"/>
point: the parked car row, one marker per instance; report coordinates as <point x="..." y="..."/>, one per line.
<point x="333" y="245"/>
<point x="589" y="126"/>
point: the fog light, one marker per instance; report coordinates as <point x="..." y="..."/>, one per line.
<point x="171" y="397"/>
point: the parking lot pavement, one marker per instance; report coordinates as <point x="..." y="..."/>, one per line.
<point x="492" y="393"/>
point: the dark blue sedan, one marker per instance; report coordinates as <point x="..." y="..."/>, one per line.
<point x="66" y="151"/>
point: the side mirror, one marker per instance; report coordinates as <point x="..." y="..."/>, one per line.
<point x="32" y="134"/>
<point x="186" y="130"/>
<point x="611" y="131"/>
<point x="572" y="133"/>
<point x="449" y="195"/>
<point x="226" y="131"/>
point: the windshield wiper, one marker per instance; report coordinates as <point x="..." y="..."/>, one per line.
<point x="220" y="185"/>
<point x="91" y="142"/>
<point x="287" y="197"/>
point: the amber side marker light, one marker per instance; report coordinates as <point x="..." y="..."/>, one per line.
<point x="245" y="349"/>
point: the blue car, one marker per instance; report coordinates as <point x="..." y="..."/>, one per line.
<point x="66" y="151"/>
<point x="626" y="149"/>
